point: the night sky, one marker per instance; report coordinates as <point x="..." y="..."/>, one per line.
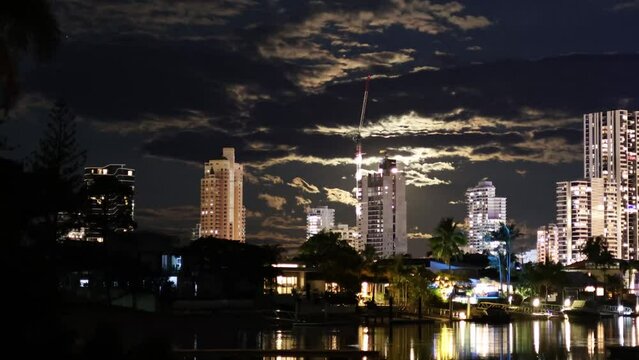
<point x="460" y="91"/>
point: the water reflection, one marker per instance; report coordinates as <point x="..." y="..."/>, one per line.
<point x="556" y="339"/>
<point x="536" y="330"/>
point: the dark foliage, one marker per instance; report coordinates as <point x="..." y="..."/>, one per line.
<point x="334" y="258"/>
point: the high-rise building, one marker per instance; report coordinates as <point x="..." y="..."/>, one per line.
<point x="110" y="203"/>
<point x="485" y="213"/>
<point x="195" y="232"/>
<point x="548" y="244"/>
<point x="382" y="205"/>
<point x="349" y="234"/>
<point x="610" y="152"/>
<point x="318" y="219"/>
<point x="585" y="208"/>
<point x="222" y="212"/>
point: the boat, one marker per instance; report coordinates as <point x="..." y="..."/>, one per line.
<point x="586" y="310"/>
<point x="491" y="315"/>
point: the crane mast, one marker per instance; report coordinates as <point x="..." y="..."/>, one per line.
<point x="359" y="155"/>
<point x="358" y="137"/>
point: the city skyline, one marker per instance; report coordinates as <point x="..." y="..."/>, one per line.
<point x="385" y="179"/>
<point x="459" y="91"/>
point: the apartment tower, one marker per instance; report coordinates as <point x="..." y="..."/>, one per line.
<point x="382" y="200"/>
<point x="318" y="219"/>
<point x="110" y="205"/>
<point x="585" y="208"/>
<point x="222" y="212"/>
<point x="485" y="213"/>
<point x="610" y="153"/>
<point x="548" y="244"/>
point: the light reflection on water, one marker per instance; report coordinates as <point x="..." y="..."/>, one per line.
<point x="557" y="339"/>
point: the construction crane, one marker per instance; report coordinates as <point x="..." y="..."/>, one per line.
<point x="358" y="149"/>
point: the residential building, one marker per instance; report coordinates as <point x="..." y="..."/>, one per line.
<point x="528" y="256"/>
<point x="485" y="213"/>
<point x="196" y="232"/>
<point x="350" y="234"/>
<point x="585" y="208"/>
<point x="222" y="211"/>
<point x="548" y="244"/>
<point x="110" y="204"/>
<point x="610" y="152"/>
<point x="318" y="219"/>
<point x="382" y="202"/>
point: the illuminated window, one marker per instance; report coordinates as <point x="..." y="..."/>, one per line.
<point x="286" y="284"/>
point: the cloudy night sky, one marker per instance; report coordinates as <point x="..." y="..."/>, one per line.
<point x="460" y="91"/>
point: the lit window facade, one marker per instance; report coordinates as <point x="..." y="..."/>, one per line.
<point x="610" y="152"/>
<point x="382" y="210"/>
<point x="318" y="219"/>
<point x="222" y="211"/>
<point x="485" y="213"/>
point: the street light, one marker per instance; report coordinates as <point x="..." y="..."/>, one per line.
<point x="536" y="302"/>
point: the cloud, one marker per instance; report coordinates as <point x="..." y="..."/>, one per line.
<point x="154" y="123"/>
<point x="272" y="201"/>
<point x="340" y="196"/>
<point x="181" y="20"/>
<point x="271" y="179"/>
<point x="340" y="24"/>
<point x="301" y="201"/>
<point x="417" y="172"/>
<point x="274" y="161"/>
<point x="300" y="183"/>
<point x="626" y="5"/>
<point x="424" y="68"/>
<point x="253" y="214"/>
<point x="290" y="243"/>
<point x="457" y="121"/>
<point x="466" y="114"/>
<point x="250" y="178"/>
<point x="173" y="220"/>
<point x="281" y="222"/>
<point x="419" y="235"/>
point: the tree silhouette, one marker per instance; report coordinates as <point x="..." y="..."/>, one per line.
<point x="447" y="240"/>
<point x="57" y="164"/>
<point x="547" y="275"/>
<point x="506" y="234"/>
<point x="596" y="251"/>
<point x="334" y="258"/>
<point x="27" y="26"/>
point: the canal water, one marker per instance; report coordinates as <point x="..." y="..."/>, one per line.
<point x="529" y="339"/>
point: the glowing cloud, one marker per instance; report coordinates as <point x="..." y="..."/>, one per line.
<point x="272" y="201"/>
<point x="300" y="183"/>
<point x="271" y="179"/>
<point x="340" y="196"/>
<point x="302" y="201"/>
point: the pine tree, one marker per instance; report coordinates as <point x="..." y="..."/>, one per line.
<point x="57" y="165"/>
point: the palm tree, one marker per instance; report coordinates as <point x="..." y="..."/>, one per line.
<point x="447" y="240"/>
<point x="506" y="234"/>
